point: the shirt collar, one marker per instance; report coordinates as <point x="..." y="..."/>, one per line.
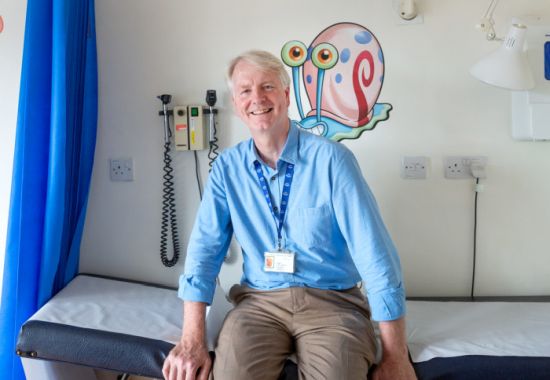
<point x="290" y="150"/>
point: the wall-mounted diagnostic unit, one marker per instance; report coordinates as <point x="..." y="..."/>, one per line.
<point x="190" y="132"/>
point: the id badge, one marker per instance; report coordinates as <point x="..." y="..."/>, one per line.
<point x="276" y="261"/>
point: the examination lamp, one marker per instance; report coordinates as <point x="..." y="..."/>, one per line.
<point x="508" y="66"/>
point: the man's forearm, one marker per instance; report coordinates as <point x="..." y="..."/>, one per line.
<point x="395" y="362"/>
<point x="394" y="339"/>
<point x="194" y="314"/>
<point x="189" y="358"/>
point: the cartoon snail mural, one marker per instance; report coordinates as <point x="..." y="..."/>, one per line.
<point x="343" y="73"/>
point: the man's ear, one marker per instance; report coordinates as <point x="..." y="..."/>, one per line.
<point x="287" y="95"/>
<point x="233" y="102"/>
<point x="236" y="111"/>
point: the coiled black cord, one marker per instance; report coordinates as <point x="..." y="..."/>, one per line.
<point x="197" y="171"/>
<point x="213" y="152"/>
<point x="168" y="213"/>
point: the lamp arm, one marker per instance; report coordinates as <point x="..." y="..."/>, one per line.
<point x="487" y="23"/>
<point x="491" y="9"/>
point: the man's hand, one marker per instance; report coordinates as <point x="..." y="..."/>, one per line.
<point x="188" y="360"/>
<point x="395" y="364"/>
<point x="394" y="370"/>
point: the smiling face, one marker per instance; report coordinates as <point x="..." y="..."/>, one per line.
<point x="260" y="99"/>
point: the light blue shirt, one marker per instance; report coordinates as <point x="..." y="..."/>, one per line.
<point x="332" y="224"/>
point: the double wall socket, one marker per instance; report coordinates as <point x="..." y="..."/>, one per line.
<point x="121" y="169"/>
<point x="457" y="167"/>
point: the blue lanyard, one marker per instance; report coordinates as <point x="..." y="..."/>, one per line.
<point x="284" y="198"/>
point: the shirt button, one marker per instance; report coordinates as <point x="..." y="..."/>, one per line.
<point x="275" y="208"/>
<point x="273" y="178"/>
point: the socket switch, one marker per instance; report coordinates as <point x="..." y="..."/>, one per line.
<point x="414" y="167"/>
<point x="121" y="169"/>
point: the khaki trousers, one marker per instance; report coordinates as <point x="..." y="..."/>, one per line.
<point x="330" y="332"/>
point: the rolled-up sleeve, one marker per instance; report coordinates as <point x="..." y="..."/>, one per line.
<point x="208" y="242"/>
<point x="368" y="240"/>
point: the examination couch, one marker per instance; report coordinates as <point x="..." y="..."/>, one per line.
<point x="130" y="327"/>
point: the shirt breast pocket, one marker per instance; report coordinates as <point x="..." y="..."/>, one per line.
<point x="315" y="225"/>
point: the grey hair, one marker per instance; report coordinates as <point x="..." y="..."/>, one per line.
<point x="263" y="60"/>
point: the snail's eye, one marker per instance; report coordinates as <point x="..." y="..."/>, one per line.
<point x="294" y="53"/>
<point x="324" y="56"/>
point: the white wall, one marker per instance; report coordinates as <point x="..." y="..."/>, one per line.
<point x="148" y="48"/>
<point x="11" y="50"/>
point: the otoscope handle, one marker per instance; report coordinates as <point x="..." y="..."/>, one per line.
<point x="211" y="101"/>
<point x="165" y="99"/>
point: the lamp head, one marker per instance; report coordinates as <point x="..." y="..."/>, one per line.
<point x="508" y="66"/>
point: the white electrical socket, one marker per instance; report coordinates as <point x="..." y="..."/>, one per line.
<point x="121" y="169"/>
<point x="457" y="167"/>
<point x="414" y="167"/>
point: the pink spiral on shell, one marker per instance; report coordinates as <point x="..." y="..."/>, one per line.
<point x="361" y="82"/>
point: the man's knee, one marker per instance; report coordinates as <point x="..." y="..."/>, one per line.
<point x="336" y="345"/>
<point x="250" y="347"/>
<point x="334" y="358"/>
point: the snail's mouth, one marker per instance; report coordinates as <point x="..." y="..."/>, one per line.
<point x="317" y="129"/>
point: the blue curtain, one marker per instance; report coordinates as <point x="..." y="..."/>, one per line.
<point x="54" y="149"/>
